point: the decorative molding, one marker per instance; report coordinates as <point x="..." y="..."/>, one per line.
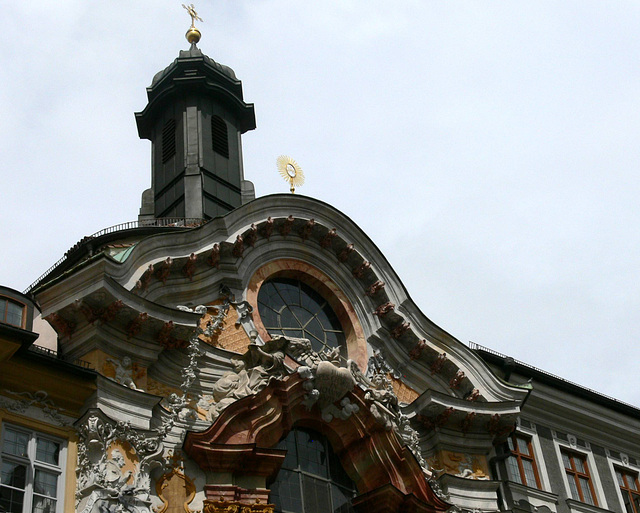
<point x="189" y="268"/>
<point x="267" y="229"/>
<point x="358" y="272"/>
<point x="287" y="225"/>
<point x="214" y="256"/>
<point x="251" y="235"/>
<point x="39" y="400"/>
<point x="305" y="231"/>
<point x="374" y="288"/>
<point x="163" y="272"/>
<point x="344" y="254"/>
<point x="326" y="241"/>
<point x="238" y="247"/>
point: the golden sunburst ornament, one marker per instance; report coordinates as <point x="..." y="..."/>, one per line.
<point x="291" y="172"/>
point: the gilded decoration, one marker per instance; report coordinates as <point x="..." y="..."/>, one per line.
<point x="467" y="466"/>
<point x="175" y="489"/>
<point x="222" y="506"/>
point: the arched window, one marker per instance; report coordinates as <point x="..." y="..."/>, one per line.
<point x="311" y="479"/>
<point x="292" y="308"/>
<point x="219" y="136"/>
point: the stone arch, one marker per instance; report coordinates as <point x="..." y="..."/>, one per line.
<point x="240" y="444"/>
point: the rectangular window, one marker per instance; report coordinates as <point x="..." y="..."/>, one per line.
<point x="577" y="470"/>
<point x="630" y="489"/>
<point x="11" y="312"/>
<point x="31" y="472"/>
<point x="521" y="464"/>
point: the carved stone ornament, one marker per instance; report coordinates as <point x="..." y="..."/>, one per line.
<point x="214" y="256"/>
<point x="251" y="373"/>
<point x="39" y="400"/>
<point x="327" y="383"/>
<point x="374" y="288"/>
<point x="326" y="241"/>
<point x="251" y="236"/>
<point x="190" y="266"/>
<point x="267" y="230"/>
<point x="238" y="247"/>
<point x="106" y="480"/>
<point x="287" y="225"/>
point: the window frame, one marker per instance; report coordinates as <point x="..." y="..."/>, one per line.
<point x="33" y="464"/>
<point x="626" y="490"/>
<point x="576" y="474"/>
<point x="5" y="311"/>
<point x="519" y="456"/>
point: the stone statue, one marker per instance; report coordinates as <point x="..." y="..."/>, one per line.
<point x="124" y="372"/>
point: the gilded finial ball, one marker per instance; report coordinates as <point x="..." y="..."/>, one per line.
<point x="193" y="35"/>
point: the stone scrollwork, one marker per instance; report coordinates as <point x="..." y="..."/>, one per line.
<point x="114" y="466"/>
<point x="385" y="407"/>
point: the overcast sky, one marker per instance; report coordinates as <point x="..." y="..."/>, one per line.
<point x="489" y="148"/>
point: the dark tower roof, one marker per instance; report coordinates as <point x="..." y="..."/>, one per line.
<point x="195" y="71"/>
<point x="194" y="119"/>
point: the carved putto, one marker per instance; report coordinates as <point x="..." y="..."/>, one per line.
<point x="123" y="372"/>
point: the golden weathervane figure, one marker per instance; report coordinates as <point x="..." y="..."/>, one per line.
<point x="193" y="34"/>
<point x="291" y="172"/>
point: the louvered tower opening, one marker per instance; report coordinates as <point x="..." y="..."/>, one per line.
<point x="168" y="140"/>
<point x="219" y="136"/>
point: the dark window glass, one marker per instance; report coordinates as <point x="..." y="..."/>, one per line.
<point x="30" y="472"/>
<point x="219" y="136"/>
<point x="292" y="308"/>
<point x="11" y="312"/>
<point x="311" y="479"/>
<point x="168" y="140"/>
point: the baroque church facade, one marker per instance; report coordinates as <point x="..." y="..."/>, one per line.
<point x="227" y="353"/>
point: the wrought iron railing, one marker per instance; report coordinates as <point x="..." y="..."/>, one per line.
<point x="45" y="351"/>
<point x="165" y="222"/>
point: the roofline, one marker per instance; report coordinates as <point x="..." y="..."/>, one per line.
<point x="491" y="356"/>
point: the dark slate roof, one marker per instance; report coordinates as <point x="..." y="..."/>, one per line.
<point x="193" y="52"/>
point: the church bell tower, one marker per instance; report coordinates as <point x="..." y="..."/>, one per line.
<point x="194" y="119"/>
